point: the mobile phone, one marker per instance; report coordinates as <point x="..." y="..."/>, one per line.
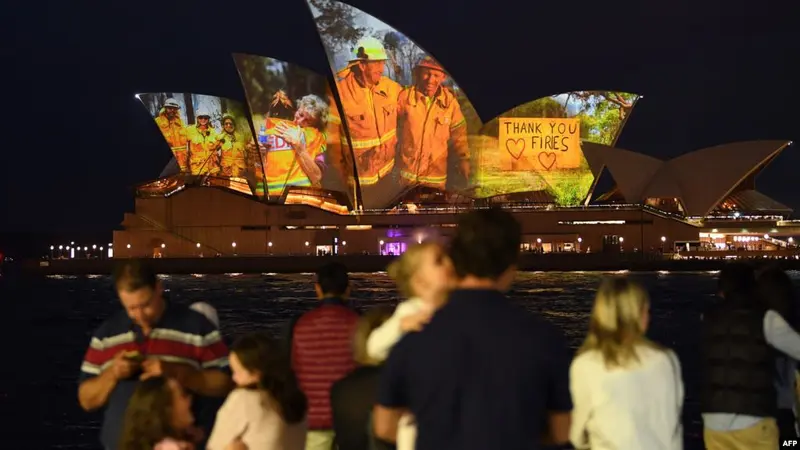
<point x="134" y="356"/>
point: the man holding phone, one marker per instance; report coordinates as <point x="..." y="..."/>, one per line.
<point x="150" y="337"/>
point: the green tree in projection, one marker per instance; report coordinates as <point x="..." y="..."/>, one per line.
<point x="403" y="56"/>
<point x="602" y="114"/>
<point x="474" y="122"/>
<point x="261" y="77"/>
<point x="336" y="24"/>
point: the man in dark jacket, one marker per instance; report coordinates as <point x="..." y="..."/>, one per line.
<point x="740" y="339"/>
<point x="321" y="350"/>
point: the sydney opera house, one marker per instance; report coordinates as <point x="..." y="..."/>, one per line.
<point x="386" y="151"/>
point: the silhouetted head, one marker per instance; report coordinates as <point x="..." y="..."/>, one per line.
<point x="776" y="291"/>
<point x="366" y="324"/>
<point x="486" y="247"/>
<point x="332" y="281"/>
<point x="736" y="282"/>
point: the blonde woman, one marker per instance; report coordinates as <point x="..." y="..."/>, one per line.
<point x="627" y="391"/>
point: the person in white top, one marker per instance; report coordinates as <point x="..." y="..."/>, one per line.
<point x="424" y="275"/>
<point x="626" y="390"/>
<point x="268" y="410"/>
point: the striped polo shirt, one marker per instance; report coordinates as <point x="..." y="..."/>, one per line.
<point x="182" y="336"/>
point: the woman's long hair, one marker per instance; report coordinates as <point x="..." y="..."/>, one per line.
<point x="615" y="328"/>
<point x="259" y="353"/>
<point x="148" y="418"/>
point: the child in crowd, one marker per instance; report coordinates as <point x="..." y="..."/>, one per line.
<point x="268" y="410"/>
<point x="424" y="275"/>
<point x="158" y="417"/>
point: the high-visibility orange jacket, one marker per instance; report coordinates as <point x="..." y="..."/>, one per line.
<point x="281" y="165"/>
<point x="430" y="127"/>
<point x="174" y="133"/>
<point x="233" y="161"/>
<point x="371" y="118"/>
<point x="203" y="145"/>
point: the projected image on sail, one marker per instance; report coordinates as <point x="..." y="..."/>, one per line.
<point x="408" y="120"/>
<point x="207" y="136"/>
<point x="298" y="137"/>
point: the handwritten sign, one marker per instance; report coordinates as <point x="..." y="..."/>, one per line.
<point x="540" y="143"/>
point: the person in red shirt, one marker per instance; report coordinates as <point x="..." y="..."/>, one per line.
<point x="321" y="350"/>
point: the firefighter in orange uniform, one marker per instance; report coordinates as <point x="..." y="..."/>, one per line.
<point x="174" y="132"/>
<point x="431" y="126"/>
<point x="295" y="150"/>
<point x="369" y="102"/>
<point x="203" y="146"/>
<point x="232" y="149"/>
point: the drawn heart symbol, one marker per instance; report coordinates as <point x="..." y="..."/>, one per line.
<point x="547" y="160"/>
<point x="515" y="147"/>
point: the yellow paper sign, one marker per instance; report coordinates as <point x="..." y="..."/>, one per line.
<point x="540" y="144"/>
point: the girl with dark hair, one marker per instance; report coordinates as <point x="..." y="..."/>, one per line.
<point x="268" y="410"/>
<point x="158" y="417"/>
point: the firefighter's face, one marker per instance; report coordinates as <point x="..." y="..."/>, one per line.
<point x="171" y="111"/>
<point x="228" y="125"/>
<point x="372" y="71"/>
<point x="203" y="121"/>
<point x="305" y="118"/>
<point x="429" y="80"/>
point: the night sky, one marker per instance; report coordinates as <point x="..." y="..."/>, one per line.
<point x="76" y="140"/>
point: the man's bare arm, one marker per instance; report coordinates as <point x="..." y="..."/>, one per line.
<point x="385" y="422"/>
<point x="558" y="424"/>
<point x="93" y="393"/>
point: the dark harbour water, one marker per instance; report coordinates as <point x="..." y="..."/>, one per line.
<point x="47" y="324"/>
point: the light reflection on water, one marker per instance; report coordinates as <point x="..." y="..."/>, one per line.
<point x="53" y="318"/>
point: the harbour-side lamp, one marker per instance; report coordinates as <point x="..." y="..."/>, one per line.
<point x="163" y="245"/>
<point x="791" y="239"/>
<point x="198" y="245"/>
<point x="580" y="240"/>
<point x="129" y="246"/>
<point x="86" y="249"/>
<point x="233" y="244"/>
<point x="307" y="244"/>
<point x="381" y="242"/>
<point x="345" y="242"/>
<point x="94" y="247"/>
<point x="72" y="243"/>
<point x="538" y="240"/>
<point x="61" y="247"/>
<point x="766" y="236"/>
<point x="269" y="244"/>
<point x="663" y="239"/>
<point x="52" y="247"/>
<point x="621" y="239"/>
